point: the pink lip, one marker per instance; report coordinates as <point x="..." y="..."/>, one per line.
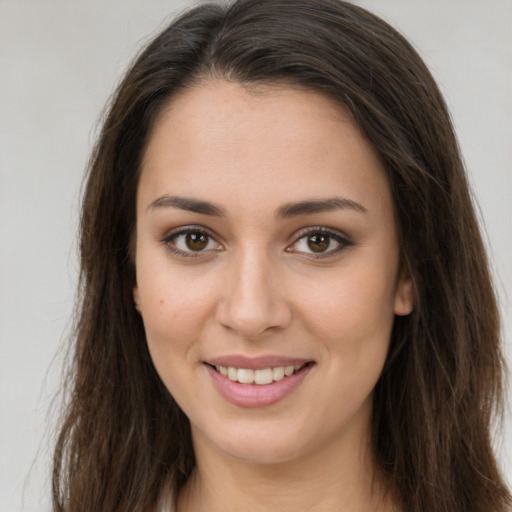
<point x="253" y="395"/>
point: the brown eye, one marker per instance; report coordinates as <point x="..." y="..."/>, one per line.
<point x="191" y="242"/>
<point x="197" y="241"/>
<point x="318" y="242"/>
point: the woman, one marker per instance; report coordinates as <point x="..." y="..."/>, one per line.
<point x="285" y="298"/>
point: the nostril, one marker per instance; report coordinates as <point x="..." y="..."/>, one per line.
<point x="252" y="303"/>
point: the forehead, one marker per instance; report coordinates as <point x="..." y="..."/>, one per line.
<point x="220" y="138"/>
<point x="220" y="108"/>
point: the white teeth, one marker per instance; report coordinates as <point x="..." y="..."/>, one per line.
<point x="278" y="373"/>
<point x="232" y="373"/>
<point x="245" y="376"/>
<point x="263" y="376"/>
<point x="259" y="377"/>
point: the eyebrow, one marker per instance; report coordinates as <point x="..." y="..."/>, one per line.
<point x="286" y="211"/>
<point x="188" y="204"/>
<point x="318" y="206"/>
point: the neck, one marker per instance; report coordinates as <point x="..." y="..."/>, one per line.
<point x="341" y="476"/>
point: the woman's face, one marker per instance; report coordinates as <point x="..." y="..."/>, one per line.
<point x="266" y="245"/>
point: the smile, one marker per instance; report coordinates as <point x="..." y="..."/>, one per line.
<point x="260" y="377"/>
<point x="266" y="383"/>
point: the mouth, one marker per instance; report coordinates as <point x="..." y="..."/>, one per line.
<point x="257" y="382"/>
<point x="261" y="376"/>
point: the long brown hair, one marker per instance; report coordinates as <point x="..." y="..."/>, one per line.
<point x="123" y="440"/>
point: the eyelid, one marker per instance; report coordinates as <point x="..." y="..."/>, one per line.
<point x="340" y="237"/>
<point x="183" y="230"/>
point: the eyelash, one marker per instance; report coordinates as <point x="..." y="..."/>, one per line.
<point x="342" y="241"/>
<point x="169" y="241"/>
<point x="333" y="234"/>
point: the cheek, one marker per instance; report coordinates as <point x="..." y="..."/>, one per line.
<point x="175" y="310"/>
<point x="351" y="314"/>
<point x="172" y="322"/>
<point x="360" y="303"/>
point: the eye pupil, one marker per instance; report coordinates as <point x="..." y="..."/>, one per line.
<point x="318" y="242"/>
<point x="196" y="241"/>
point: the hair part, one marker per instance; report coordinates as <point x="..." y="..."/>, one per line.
<point x="123" y="440"/>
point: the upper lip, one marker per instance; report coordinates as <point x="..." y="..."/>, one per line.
<point x="256" y="363"/>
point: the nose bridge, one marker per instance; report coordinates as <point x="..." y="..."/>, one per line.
<point x="253" y="301"/>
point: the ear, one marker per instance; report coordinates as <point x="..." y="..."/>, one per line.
<point x="136" y="298"/>
<point x="404" y="295"/>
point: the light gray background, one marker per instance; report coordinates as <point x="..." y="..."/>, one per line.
<point x="59" y="60"/>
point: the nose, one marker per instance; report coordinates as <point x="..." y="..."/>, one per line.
<point x="253" y="301"/>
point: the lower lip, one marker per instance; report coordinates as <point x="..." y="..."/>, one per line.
<point x="255" y="395"/>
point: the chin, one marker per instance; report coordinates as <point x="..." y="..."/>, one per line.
<point x="270" y="441"/>
<point x="256" y="443"/>
<point x="262" y="452"/>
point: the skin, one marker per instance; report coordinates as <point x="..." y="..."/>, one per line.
<point x="258" y="288"/>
